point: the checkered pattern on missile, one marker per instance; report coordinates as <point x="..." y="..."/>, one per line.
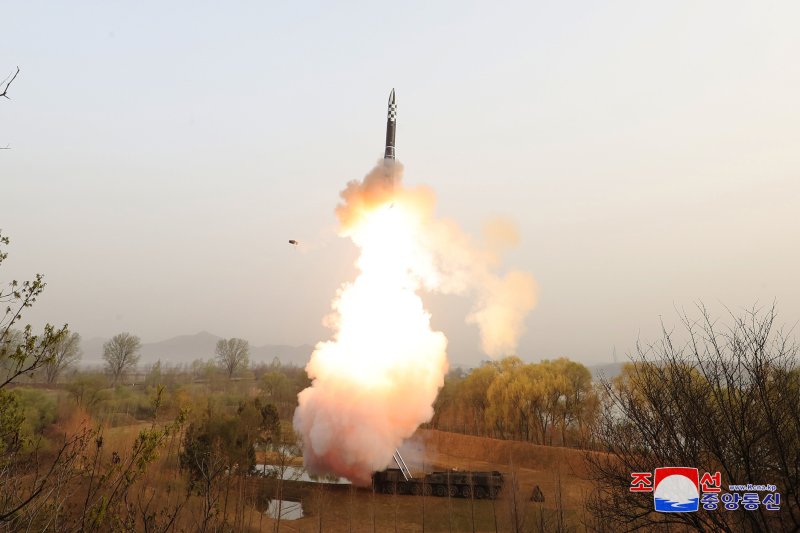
<point x="392" y="112"/>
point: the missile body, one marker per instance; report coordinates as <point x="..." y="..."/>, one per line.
<point x="391" y="125"/>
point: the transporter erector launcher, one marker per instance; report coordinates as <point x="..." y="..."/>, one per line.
<point x="391" y="126"/>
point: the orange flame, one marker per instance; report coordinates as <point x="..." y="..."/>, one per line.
<point x="375" y="382"/>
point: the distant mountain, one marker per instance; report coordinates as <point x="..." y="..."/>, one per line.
<point x="288" y="355"/>
<point x="92" y="351"/>
<point x="180" y="349"/>
<point x="186" y="348"/>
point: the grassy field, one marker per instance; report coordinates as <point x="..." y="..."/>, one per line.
<point x="560" y="474"/>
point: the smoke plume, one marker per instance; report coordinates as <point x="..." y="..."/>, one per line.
<point x="376" y="380"/>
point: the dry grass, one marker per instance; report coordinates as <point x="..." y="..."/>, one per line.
<point x="526" y="465"/>
<point x="340" y="508"/>
<point x="449" y="447"/>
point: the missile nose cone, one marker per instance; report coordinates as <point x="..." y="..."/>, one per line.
<point x="391" y="98"/>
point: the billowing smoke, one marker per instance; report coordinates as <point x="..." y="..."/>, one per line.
<point x="375" y="382"/>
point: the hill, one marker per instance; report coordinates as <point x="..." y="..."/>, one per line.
<point x="186" y="348"/>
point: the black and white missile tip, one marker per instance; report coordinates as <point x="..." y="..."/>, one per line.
<point x="392" y="104"/>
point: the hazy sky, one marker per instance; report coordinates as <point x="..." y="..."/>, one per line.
<point x="162" y="154"/>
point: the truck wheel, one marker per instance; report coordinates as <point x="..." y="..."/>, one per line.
<point x="466" y="491"/>
<point x="426" y="489"/>
<point x="415" y="489"/>
<point x="388" y="489"/>
<point x="440" y="490"/>
<point x="453" y="491"/>
<point x="480" y="493"/>
<point x="493" y="492"/>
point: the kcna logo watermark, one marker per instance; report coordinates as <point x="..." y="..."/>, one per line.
<point x="679" y="489"/>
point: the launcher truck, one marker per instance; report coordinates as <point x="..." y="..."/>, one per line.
<point x="453" y="483"/>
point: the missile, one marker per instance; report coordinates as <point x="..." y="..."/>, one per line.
<point x="391" y="124"/>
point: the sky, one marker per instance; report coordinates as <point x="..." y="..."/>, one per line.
<point x="162" y="154"/>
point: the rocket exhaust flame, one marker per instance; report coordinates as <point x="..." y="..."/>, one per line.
<point x="376" y="380"/>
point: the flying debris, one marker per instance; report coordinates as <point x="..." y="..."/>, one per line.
<point x="391" y="125"/>
<point x="293" y="242"/>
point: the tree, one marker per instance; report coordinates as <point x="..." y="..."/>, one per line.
<point x="524" y="401"/>
<point x="270" y="424"/>
<point x="446" y="402"/>
<point x="24" y="481"/>
<point x="475" y="387"/>
<point x="109" y="498"/>
<point x="277" y="386"/>
<point x="86" y="388"/>
<point x="548" y="389"/>
<point x="121" y="354"/>
<point x="4" y="85"/>
<point x="281" y="467"/>
<point x="511" y="408"/>
<point x="723" y="400"/>
<point x="21" y="352"/>
<point x="225" y="440"/>
<point x="214" y="450"/>
<point x="154" y="377"/>
<point x="280" y="390"/>
<point x="65" y="352"/>
<point x="232" y="354"/>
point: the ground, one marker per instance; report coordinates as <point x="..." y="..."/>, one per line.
<point x="341" y="508"/>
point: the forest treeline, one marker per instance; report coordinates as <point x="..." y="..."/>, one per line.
<point x="551" y="402"/>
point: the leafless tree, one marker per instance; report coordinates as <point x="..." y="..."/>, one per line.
<point x="25" y="478"/>
<point x="212" y="468"/>
<point x="110" y="500"/>
<point x="516" y="504"/>
<point x="4" y="85"/>
<point x="22" y="353"/>
<point x="320" y="500"/>
<point x="283" y="452"/>
<point x="472" y="500"/>
<point x="725" y="399"/>
<point x="232" y="354"/>
<point x="30" y="485"/>
<point x="64" y="353"/>
<point x="561" y="522"/>
<point x="121" y="354"/>
<point x="86" y="388"/>
<point x="351" y="493"/>
<point x="426" y="490"/>
<point x="36" y="490"/>
<point x="374" y="510"/>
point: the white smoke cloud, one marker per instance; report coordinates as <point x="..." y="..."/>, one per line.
<point x="375" y="382"/>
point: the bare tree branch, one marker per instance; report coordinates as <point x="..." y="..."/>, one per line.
<point x="721" y="398"/>
<point x="8" y="84"/>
